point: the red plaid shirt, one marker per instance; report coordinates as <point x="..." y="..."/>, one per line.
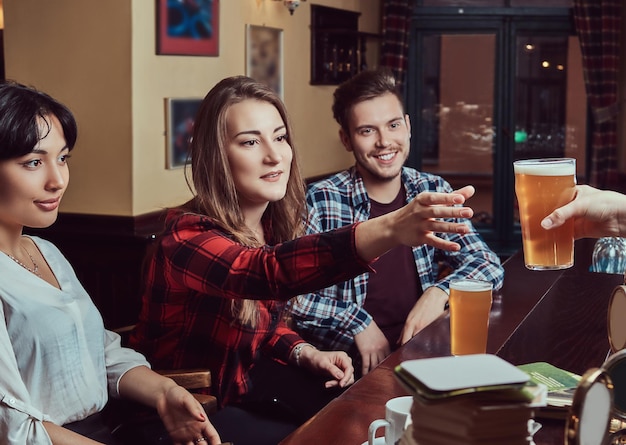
<point x="197" y="269"/>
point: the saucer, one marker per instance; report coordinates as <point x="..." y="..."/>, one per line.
<point x="377" y="441"/>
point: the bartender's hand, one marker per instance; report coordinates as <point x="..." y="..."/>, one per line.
<point x="428" y="308"/>
<point x="596" y="213"/>
<point x="373" y="347"/>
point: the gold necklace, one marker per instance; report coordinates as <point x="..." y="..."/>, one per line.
<point x="35" y="268"/>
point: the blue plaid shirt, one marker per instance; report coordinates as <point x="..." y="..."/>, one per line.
<point x="330" y="318"/>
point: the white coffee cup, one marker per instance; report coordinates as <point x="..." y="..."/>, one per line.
<point x="397" y="413"/>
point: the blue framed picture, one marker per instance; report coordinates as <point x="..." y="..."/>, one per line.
<point x="188" y="27"/>
<point x="180" y="117"/>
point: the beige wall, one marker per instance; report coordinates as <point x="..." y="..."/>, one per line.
<point x="99" y="58"/>
<point x="79" y="52"/>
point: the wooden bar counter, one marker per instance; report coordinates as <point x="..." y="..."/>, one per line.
<point x="553" y="316"/>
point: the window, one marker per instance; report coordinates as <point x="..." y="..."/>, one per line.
<point x="489" y="85"/>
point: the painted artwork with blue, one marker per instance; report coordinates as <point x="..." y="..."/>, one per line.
<point x="190" y="18"/>
<point x="183" y="114"/>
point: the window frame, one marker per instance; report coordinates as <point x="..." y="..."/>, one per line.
<point x="504" y="235"/>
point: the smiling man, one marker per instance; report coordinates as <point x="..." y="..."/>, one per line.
<point x="374" y="313"/>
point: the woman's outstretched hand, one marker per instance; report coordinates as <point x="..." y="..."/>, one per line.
<point x="416" y="223"/>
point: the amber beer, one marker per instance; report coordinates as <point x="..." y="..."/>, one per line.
<point x="470" y="303"/>
<point x="541" y="186"/>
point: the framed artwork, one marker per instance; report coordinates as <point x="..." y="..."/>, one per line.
<point x="264" y="55"/>
<point x="187" y="28"/>
<point x="179" y="115"/>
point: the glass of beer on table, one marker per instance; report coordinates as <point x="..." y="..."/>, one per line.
<point x="470" y="304"/>
<point x="541" y="186"/>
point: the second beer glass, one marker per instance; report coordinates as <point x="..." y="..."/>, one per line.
<point x="541" y="186"/>
<point x="470" y="303"/>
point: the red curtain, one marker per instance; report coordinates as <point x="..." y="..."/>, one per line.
<point x="598" y="25"/>
<point x="396" y="18"/>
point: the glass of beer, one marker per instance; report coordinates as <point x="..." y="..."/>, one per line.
<point x="541" y="186"/>
<point x="470" y="304"/>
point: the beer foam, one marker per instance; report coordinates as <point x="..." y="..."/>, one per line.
<point x="545" y="168"/>
<point x="469" y="285"/>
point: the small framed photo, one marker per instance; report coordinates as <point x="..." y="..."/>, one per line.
<point x="264" y="56"/>
<point x="179" y="116"/>
<point x="187" y="28"/>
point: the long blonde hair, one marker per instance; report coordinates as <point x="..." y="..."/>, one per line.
<point x="214" y="190"/>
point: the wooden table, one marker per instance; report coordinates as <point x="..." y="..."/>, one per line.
<point x="553" y="316"/>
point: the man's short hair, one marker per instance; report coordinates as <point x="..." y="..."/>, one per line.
<point x="364" y="86"/>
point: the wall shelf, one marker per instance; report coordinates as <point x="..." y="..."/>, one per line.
<point x="338" y="48"/>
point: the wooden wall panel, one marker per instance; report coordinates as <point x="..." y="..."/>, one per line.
<point x="107" y="253"/>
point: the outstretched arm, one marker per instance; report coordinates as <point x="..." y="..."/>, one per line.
<point x="415" y="224"/>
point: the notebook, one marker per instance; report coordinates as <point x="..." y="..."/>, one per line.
<point x="441" y="377"/>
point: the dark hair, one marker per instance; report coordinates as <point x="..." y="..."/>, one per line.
<point x="22" y="111"/>
<point x="364" y="86"/>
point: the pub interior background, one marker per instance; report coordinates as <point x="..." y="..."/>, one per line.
<point x="486" y="82"/>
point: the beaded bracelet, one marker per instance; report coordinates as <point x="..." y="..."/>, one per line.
<point x="298" y="350"/>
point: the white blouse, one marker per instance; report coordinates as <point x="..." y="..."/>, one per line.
<point x="57" y="362"/>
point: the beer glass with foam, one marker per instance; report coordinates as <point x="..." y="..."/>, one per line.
<point x="470" y="304"/>
<point x="541" y="186"/>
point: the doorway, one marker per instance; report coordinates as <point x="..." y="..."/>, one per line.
<point x="488" y="88"/>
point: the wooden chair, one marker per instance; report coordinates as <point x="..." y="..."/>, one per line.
<point x="134" y="423"/>
<point x="190" y="379"/>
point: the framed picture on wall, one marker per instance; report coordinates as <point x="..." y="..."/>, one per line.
<point x="179" y="116"/>
<point x="264" y="55"/>
<point x="187" y="28"/>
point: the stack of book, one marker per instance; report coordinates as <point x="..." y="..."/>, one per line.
<point x="472" y="399"/>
